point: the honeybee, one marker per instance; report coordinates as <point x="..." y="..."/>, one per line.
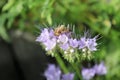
<point x="60" y="30"/>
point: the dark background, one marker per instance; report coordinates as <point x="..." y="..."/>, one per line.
<point x="22" y="59"/>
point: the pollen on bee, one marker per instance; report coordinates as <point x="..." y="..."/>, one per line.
<point x="60" y="30"/>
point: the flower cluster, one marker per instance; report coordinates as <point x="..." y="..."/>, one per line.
<point x="98" y="69"/>
<point x="62" y="38"/>
<point x="54" y="73"/>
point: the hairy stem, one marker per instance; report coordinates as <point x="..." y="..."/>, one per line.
<point x="61" y="63"/>
<point x="76" y="70"/>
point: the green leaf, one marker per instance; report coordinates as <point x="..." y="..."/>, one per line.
<point x="49" y="19"/>
<point x="3" y="32"/>
<point x="10" y="22"/>
<point x="8" y="5"/>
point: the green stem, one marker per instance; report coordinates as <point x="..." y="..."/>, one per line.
<point x="61" y="63"/>
<point x="77" y="70"/>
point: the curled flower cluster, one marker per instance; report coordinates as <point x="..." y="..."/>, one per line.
<point x="54" y="73"/>
<point x="62" y="38"/>
<point x="98" y="69"/>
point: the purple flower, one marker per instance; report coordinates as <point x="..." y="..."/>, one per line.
<point x="47" y="38"/>
<point x="100" y="69"/>
<point x="44" y="36"/>
<point x="89" y="43"/>
<point x="63" y="38"/>
<point x="88" y="73"/>
<point x="52" y="72"/>
<point x="69" y="76"/>
<point x="82" y="43"/>
<point x="51" y="33"/>
<point x="65" y="46"/>
<point x="68" y="34"/>
<point x="73" y="43"/>
<point x="50" y="44"/>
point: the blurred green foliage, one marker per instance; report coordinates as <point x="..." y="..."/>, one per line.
<point x="101" y="16"/>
